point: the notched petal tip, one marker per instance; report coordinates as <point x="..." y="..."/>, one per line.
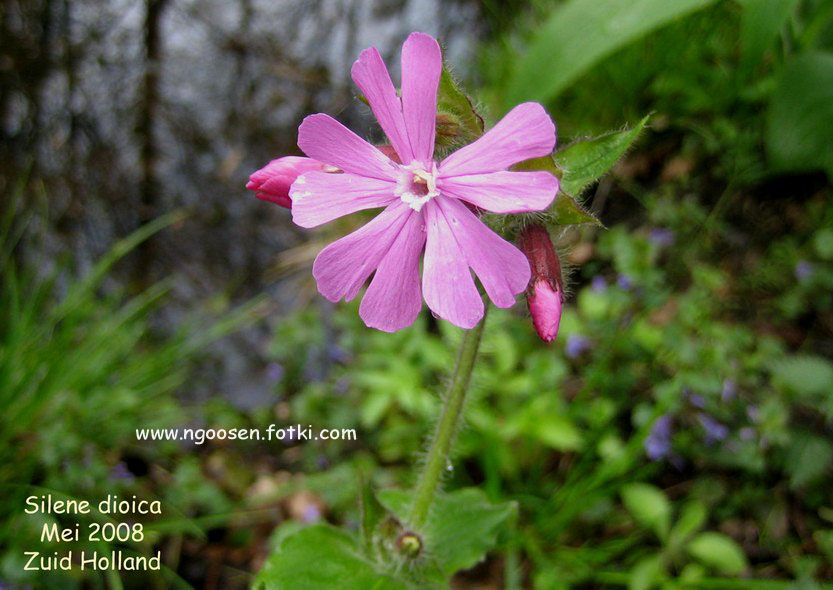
<point x="422" y="65"/>
<point x="367" y="57"/>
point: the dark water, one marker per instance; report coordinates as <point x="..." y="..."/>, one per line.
<point x="116" y="112"/>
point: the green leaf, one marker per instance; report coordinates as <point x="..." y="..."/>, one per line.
<point x="823" y="242"/>
<point x="558" y="432"/>
<point x="808" y="458"/>
<point x="646" y="573"/>
<point x="372" y="513"/>
<point x="585" y="162"/>
<point x="452" y="100"/>
<point x="691" y="519"/>
<point x="719" y="552"/>
<point x="799" y="129"/>
<point x="692" y="574"/>
<point x="461" y="529"/>
<point x="824" y="541"/>
<point x="805" y="374"/>
<point x="578" y="34"/>
<point x="544" y="419"/>
<point x="649" y="507"/>
<point x="760" y="24"/>
<point x="321" y="557"/>
<point x="568" y="211"/>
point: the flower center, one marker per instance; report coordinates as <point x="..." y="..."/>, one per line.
<point x="415" y="185"/>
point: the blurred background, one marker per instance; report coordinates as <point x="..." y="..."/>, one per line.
<point x="142" y="286"/>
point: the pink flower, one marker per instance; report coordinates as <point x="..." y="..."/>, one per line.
<point x="423" y="200"/>
<point x="544" y="296"/>
<point x="272" y="182"/>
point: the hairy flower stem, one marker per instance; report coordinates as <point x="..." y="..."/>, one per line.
<point x="446" y="428"/>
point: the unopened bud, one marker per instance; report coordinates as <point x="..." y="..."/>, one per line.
<point x="544" y="295"/>
<point x="271" y="183"/>
<point x="448" y="126"/>
<point x="389" y="152"/>
<point x="409" y="544"/>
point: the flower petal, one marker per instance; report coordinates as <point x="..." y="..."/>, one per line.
<point x="319" y="197"/>
<point x="525" y="132"/>
<point x="503" y="192"/>
<point x="341" y="268"/>
<point x="393" y="299"/>
<point x="328" y="141"/>
<point x="422" y="64"/>
<point x="371" y="76"/>
<point x="501" y="267"/>
<point x="447" y="283"/>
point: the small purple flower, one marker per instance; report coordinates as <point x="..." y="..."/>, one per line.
<point x="338" y="354"/>
<point x="312" y="513"/>
<point x="341" y="386"/>
<point x="715" y="431"/>
<point x="753" y="413"/>
<point x="696" y="400"/>
<point x="599" y="284"/>
<point x="661" y="236"/>
<point x="624" y="282"/>
<point x="121" y="472"/>
<point x="803" y="270"/>
<point x="746" y="433"/>
<point x="658" y="442"/>
<point x="729" y="391"/>
<point x="274" y="372"/>
<point x="576" y="345"/>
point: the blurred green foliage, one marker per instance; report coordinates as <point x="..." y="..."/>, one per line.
<point x="566" y="430"/>
<point x="81" y="368"/>
<point x="678" y="433"/>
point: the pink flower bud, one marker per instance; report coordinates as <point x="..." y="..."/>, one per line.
<point x="544" y="295"/>
<point x="545" y="307"/>
<point x="272" y="182"/>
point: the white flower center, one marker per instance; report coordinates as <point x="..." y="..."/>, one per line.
<point x="415" y="185"/>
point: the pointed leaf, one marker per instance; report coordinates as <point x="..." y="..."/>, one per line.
<point x="568" y="211"/>
<point x="585" y="162"/>
<point x="646" y="573"/>
<point x="692" y="517"/>
<point x="452" y="100"/>
<point x="649" y="507"/>
<point x="372" y="513"/>
<point x="719" y="552"/>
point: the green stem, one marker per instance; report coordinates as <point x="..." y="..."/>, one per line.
<point x="435" y="464"/>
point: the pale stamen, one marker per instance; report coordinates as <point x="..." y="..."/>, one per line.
<point x="416" y="186"/>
